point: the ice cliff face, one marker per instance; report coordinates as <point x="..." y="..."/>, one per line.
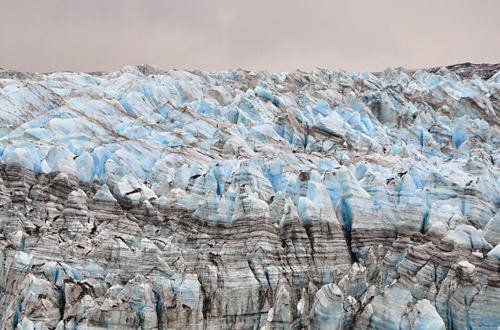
<point x="240" y="200"/>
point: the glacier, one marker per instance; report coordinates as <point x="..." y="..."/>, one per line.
<point x="154" y="199"/>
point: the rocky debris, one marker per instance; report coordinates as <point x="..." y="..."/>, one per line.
<point x="468" y="70"/>
<point x="233" y="200"/>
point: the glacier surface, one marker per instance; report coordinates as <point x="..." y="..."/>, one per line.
<point x="151" y="199"/>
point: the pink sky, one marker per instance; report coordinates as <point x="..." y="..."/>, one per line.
<point x="273" y="35"/>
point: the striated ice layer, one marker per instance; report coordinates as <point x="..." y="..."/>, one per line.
<point x="170" y="199"/>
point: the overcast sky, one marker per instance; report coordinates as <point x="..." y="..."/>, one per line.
<point x="273" y="35"/>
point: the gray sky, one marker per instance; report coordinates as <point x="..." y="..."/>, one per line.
<point x="273" y="35"/>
